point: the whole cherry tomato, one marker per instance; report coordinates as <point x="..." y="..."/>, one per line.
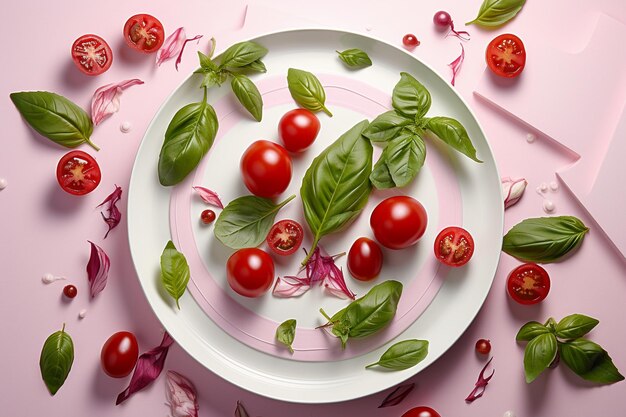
<point x="398" y="222"/>
<point x="421" y="412"/>
<point x="365" y="259"/>
<point x="250" y="272"/>
<point x="298" y="129"/>
<point x="266" y="169"/>
<point x="119" y="354"/>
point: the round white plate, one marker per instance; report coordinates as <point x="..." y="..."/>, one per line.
<point x="454" y="190"/>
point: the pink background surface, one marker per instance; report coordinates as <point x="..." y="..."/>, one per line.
<point x="45" y="230"/>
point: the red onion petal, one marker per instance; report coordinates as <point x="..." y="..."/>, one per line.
<point x="114" y="217"/>
<point x="97" y="269"/>
<point x="208" y="196"/>
<point x="172" y="45"/>
<point x="456" y="64"/>
<point x="181" y="396"/>
<point x="397" y="395"/>
<point x="290" y="287"/>
<point x="336" y="284"/>
<point x="240" y="411"/>
<point x="481" y="383"/>
<point x="106" y="99"/>
<point x="462" y="34"/>
<point x="182" y="49"/>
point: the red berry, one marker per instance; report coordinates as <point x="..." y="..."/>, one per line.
<point x="207" y="216"/>
<point x="410" y="41"/>
<point x="483" y="346"/>
<point x="70" y="291"/>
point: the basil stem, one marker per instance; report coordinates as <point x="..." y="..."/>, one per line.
<point x="174" y="272"/>
<point x="57" y="357"/>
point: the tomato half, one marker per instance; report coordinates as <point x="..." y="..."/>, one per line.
<point x="144" y="33"/>
<point x="454" y="246"/>
<point x="398" y="222"/>
<point x="266" y="169"/>
<point x="285" y="237"/>
<point x="91" y="54"/>
<point x="250" y="272"/>
<point x="506" y="55"/>
<point x="119" y="354"/>
<point x="365" y="259"/>
<point x="298" y="129"/>
<point x="528" y="284"/>
<point x="421" y="412"/>
<point x="78" y="173"/>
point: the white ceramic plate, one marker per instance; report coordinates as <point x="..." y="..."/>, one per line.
<point x="233" y="336"/>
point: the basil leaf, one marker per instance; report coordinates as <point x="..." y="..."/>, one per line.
<point x="255" y="66"/>
<point x="355" y="58"/>
<point x="55" y="117"/>
<point x="603" y="371"/>
<point x="286" y="333"/>
<point x="386" y="126"/>
<point x="174" y="272"/>
<point x="403" y="355"/>
<point x="580" y="355"/>
<point x="539" y="354"/>
<point x="248" y="95"/>
<point x="405" y="157"/>
<point x="410" y="97"/>
<point x="380" y="176"/>
<point x="242" y="54"/>
<point x="55" y="362"/>
<point x="307" y="90"/>
<point x="452" y="133"/>
<point x="246" y="221"/>
<point x="206" y="63"/>
<point x="188" y="138"/>
<point x="574" y="326"/>
<point x="336" y="186"/>
<point x="531" y="330"/>
<point x="212" y="78"/>
<point x="544" y="239"/>
<point x="494" y="13"/>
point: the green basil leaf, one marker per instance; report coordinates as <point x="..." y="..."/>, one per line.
<point x="355" y="58"/>
<point x="188" y="138"/>
<point x="531" y="330"/>
<point x="336" y="186"/>
<point x="248" y="95"/>
<point x="405" y="157"/>
<point x="254" y="66"/>
<point x="55" y="362"/>
<point x="307" y="90"/>
<point x="452" y="133"/>
<point x="575" y="326"/>
<point x="286" y="333"/>
<point x="580" y="355"/>
<point x="494" y="13"/>
<point x="386" y="126"/>
<point x="538" y="355"/>
<point x="246" y="221"/>
<point x="206" y="63"/>
<point x="604" y="371"/>
<point x="55" y="117"/>
<point x="410" y="97"/>
<point x="174" y="272"/>
<point x="211" y="78"/>
<point x="242" y="54"/>
<point x="544" y="239"/>
<point x="403" y="355"/>
<point x="380" y="176"/>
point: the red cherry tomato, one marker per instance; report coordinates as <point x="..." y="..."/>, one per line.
<point x="91" y="54"/>
<point x="250" y="272"/>
<point x="119" y="354"/>
<point x="266" y="169"/>
<point x="144" y="33"/>
<point x="410" y="41"/>
<point x="483" y="346"/>
<point x="528" y="284"/>
<point x="70" y="291"/>
<point x="421" y="412"/>
<point x="207" y="216"/>
<point x="398" y="222"/>
<point x="506" y="55"/>
<point x="78" y="173"/>
<point x="285" y="237"/>
<point x="298" y="129"/>
<point x="454" y="246"/>
<point x="365" y="259"/>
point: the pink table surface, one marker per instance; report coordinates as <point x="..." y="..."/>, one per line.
<point x="45" y="230"/>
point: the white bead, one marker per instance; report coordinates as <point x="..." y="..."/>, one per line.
<point x="543" y="187"/>
<point x="508" y="414"/>
<point x="554" y="186"/>
<point x="3" y="183"/>
<point x="530" y="138"/>
<point x="548" y="206"/>
<point x="82" y="314"/>
<point x="125" y="127"/>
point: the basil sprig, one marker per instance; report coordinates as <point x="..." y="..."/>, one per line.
<point x="286" y="333"/>
<point x="495" y="13"/>
<point x="368" y="314"/>
<point x="402" y="132"/>
<point x="55" y="117"/>
<point x="544" y="239"/>
<point x="403" y="355"/>
<point x="355" y="58"/>
<point x="307" y="90"/>
<point x="336" y="186"/>
<point x="57" y="357"/>
<point x="174" y="272"/>
<point x="547" y="342"/>
<point x="246" y="221"/>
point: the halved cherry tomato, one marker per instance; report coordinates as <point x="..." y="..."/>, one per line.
<point x="528" y="284"/>
<point x="250" y="272"/>
<point x="365" y="259"/>
<point x="398" y="222"/>
<point x="421" y="412"/>
<point x="266" y="169"/>
<point x="285" y="237"/>
<point x="144" y="33"/>
<point x="78" y="173"/>
<point x="91" y="54"/>
<point x="298" y="129"/>
<point x="119" y="354"/>
<point x="454" y="246"/>
<point x="506" y="55"/>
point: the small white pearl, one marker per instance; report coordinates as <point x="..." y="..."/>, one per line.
<point x="369" y="28"/>
<point x="548" y="206"/>
<point x="47" y="278"/>
<point x="82" y="314"/>
<point x="508" y="414"/>
<point x="3" y="183"/>
<point x="554" y="186"/>
<point x="125" y="127"/>
<point x="530" y="138"/>
<point x="543" y="187"/>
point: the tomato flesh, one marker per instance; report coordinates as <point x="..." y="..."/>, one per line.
<point x="454" y="246"/>
<point x="266" y="169"/>
<point x="528" y="284"/>
<point x="421" y="412"/>
<point x="78" y="173"/>
<point x="398" y="222"/>
<point x="250" y="272"/>
<point x="91" y="54"/>
<point x="144" y="33"/>
<point x="119" y="354"/>
<point x="365" y="259"/>
<point x="506" y="55"/>
<point x="298" y="129"/>
<point x="285" y="237"/>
